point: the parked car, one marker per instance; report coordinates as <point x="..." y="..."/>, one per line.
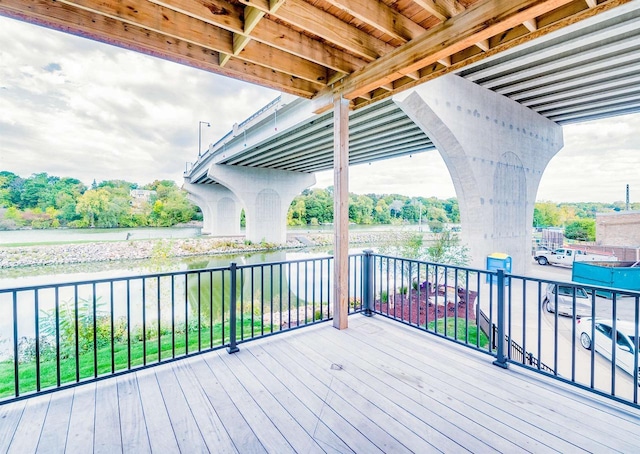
<point x="563" y="294"/>
<point x="625" y="341"/>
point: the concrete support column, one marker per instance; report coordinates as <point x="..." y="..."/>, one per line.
<point x="220" y="208"/>
<point x="266" y="195"/>
<point x="496" y="151"/>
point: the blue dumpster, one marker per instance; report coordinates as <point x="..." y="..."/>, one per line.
<point x="496" y="261"/>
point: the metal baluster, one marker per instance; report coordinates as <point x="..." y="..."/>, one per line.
<point x="144" y="322"/>
<point x="16" y="358"/>
<point x="159" y="323"/>
<point x="37" y="333"/>
<point x="95" y="331"/>
<point x="111" y="309"/>
<point x="57" y="312"/>
<point x="232" y="310"/>
<point x="501" y="359"/>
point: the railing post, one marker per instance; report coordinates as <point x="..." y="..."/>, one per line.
<point x="367" y="276"/>
<point x="501" y="359"/>
<point x="232" y="348"/>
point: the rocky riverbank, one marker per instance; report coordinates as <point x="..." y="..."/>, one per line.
<point x="60" y="254"/>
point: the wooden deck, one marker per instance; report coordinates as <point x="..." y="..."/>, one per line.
<point x="377" y="387"/>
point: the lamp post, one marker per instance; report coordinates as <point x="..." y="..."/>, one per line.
<point x="200" y="135"/>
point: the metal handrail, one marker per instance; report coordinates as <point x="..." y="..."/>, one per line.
<point x="64" y="334"/>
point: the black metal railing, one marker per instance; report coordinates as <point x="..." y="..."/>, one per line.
<point x="58" y="335"/>
<point x="540" y="329"/>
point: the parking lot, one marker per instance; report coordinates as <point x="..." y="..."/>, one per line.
<point x="538" y="329"/>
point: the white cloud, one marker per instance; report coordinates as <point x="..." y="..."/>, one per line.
<point x="74" y="107"/>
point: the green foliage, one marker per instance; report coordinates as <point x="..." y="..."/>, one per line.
<point x="459" y="329"/>
<point x="582" y="230"/>
<point x="315" y="207"/>
<point x="67" y="323"/>
<point x="43" y="201"/>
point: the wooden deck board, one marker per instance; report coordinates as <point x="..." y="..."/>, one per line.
<point x="80" y="435"/>
<point x="315" y="402"/>
<point x="184" y="425"/>
<point x="28" y="430"/>
<point x="211" y="427"/>
<point x="287" y="425"/>
<point x="287" y="392"/>
<point x="406" y="394"/>
<point x="375" y="387"/>
<point x="519" y="396"/>
<point x="10" y="416"/>
<point x="403" y="427"/>
<point x="159" y="430"/>
<point x="132" y="422"/>
<point x="257" y="417"/>
<point x="56" y="423"/>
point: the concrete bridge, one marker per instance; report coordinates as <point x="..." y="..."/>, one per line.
<point x="496" y="124"/>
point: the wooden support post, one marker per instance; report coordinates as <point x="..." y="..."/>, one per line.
<point x="340" y="212"/>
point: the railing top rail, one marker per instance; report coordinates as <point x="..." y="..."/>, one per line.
<point x="163" y="274"/>
<point x="111" y="279"/>
<point x="447" y="265"/>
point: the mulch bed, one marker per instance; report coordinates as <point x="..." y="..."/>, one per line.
<point x="409" y="309"/>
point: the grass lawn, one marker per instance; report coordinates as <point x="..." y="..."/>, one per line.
<point x="461" y="333"/>
<point x="121" y="356"/>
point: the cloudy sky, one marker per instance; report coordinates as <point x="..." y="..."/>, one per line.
<point x="78" y="108"/>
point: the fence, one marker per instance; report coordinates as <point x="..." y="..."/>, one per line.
<point x="58" y="335"/>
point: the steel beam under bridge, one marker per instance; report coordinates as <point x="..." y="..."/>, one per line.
<point x="287" y="135"/>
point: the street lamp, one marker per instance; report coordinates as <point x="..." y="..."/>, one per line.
<point x="200" y="135"/>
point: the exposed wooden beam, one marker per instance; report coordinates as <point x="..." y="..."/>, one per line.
<point x="446" y="61"/>
<point x="467" y="29"/>
<point x="433" y="71"/>
<point x="181" y="26"/>
<point x="320" y="23"/>
<point x="531" y="24"/>
<point x="341" y="213"/>
<point x="252" y="17"/>
<point x="592" y="3"/>
<point x="59" y="16"/>
<point x="224" y="15"/>
<point x="483" y="45"/>
<point x="381" y="17"/>
<point x="442" y="9"/>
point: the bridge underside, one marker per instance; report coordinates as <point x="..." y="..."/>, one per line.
<point x="586" y="71"/>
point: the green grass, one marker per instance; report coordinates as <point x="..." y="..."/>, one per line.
<point x="461" y="333"/>
<point x="86" y="369"/>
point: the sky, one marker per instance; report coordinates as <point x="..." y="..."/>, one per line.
<point x="73" y="107"/>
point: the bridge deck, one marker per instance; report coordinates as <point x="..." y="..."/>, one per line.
<point x="378" y="386"/>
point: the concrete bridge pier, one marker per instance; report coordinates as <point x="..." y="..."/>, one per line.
<point x="220" y="208"/>
<point x="496" y="151"/>
<point x="266" y="195"/>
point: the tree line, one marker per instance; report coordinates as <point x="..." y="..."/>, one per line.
<point x="45" y="201"/>
<point x="577" y="219"/>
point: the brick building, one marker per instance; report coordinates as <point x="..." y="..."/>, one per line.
<point x="619" y="229"/>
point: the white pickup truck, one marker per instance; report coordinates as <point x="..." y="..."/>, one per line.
<point x="566" y="257"/>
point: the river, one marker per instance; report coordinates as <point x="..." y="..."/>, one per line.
<point x="30" y="276"/>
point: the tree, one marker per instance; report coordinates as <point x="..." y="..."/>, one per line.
<point x="395" y="208"/>
<point x="6" y="188"/>
<point x="297" y="212"/>
<point x="90" y="204"/>
<point x="546" y="214"/>
<point x="382" y="212"/>
<point x="581" y="230"/>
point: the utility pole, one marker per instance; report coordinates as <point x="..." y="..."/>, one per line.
<point x="627" y="197"/>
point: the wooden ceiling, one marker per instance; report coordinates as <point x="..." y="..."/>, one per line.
<point x="362" y="50"/>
